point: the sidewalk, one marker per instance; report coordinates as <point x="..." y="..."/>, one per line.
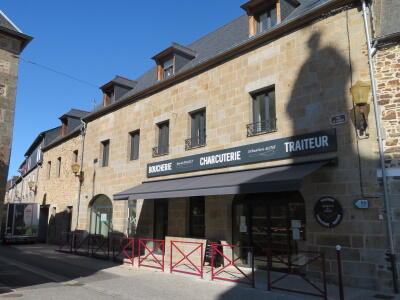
<point x="126" y="282"/>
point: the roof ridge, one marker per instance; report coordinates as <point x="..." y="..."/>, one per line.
<point x="9" y="21"/>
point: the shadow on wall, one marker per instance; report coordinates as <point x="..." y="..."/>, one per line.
<point x="58" y="223"/>
<point x="320" y="91"/>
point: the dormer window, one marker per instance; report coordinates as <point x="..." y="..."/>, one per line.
<point x="168" y="67"/>
<point x="265" y="14"/>
<point x="266" y="20"/>
<point x="172" y="59"/>
<point x="116" y="88"/>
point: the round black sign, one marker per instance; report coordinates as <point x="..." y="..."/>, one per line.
<point x="328" y="212"/>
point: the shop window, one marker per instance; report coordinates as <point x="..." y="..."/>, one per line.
<point x="105" y="153"/>
<point x="198" y="130"/>
<point x="197" y="217"/>
<point x="131" y="228"/>
<point x="134" y="144"/>
<point x="163" y="139"/>
<point x="59" y="167"/>
<point x="264" y="113"/>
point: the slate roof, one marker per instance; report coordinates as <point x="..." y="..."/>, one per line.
<point x="121" y="81"/>
<point x="75" y="113"/>
<point x="7" y="23"/>
<point x="390" y="17"/>
<point x="8" y="27"/>
<point x="217" y="42"/>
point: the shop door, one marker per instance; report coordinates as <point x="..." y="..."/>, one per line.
<point x="160" y="218"/>
<point x="265" y="222"/>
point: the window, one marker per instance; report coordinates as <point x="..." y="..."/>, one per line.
<point x="58" y="167"/>
<point x="266" y="19"/>
<point x="48" y="169"/>
<point x="75" y="156"/>
<point x="198" y="130"/>
<point x="168" y="67"/>
<point x="134" y="139"/>
<point x="264" y="115"/>
<point x="163" y="139"/>
<point x="105" y="153"/>
<point x="197" y="217"/>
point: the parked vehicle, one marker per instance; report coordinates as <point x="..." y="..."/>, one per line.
<point x="20" y="222"/>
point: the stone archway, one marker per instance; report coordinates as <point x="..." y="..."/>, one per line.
<point x="101" y="210"/>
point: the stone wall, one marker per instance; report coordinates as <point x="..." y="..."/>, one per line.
<point x="9" y="50"/>
<point x="387" y="64"/>
<point x="60" y="192"/>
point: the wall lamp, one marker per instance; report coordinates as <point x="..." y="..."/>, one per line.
<point x="360" y="93"/>
<point x="76" y="169"/>
<point x="32" y="186"/>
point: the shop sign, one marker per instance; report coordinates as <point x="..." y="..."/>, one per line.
<point x="328" y="212"/>
<point x="362" y="204"/>
<point x="306" y="144"/>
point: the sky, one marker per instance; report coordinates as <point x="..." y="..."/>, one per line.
<point x="94" y="40"/>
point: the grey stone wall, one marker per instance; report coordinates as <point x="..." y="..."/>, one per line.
<point x="9" y="49"/>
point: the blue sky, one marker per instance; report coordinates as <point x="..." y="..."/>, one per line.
<point x="95" y="40"/>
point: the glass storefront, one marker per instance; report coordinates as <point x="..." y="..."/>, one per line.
<point x="273" y="221"/>
<point x="101" y="216"/>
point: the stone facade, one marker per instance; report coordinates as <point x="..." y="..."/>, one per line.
<point x="9" y="50"/>
<point x="20" y="191"/>
<point x="59" y="191"/>
<point x="312" y="70"/>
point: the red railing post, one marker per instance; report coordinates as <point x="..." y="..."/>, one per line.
<point x="212" y="261"/>
<point x="170" y="257"/>
<point x="201" y="261"/>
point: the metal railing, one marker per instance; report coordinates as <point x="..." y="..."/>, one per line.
<point x="160" y="150"/>
<point x="195" y="142"/>
<point x="261" y="127"/>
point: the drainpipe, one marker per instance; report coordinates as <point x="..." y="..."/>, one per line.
<point x="83" y="133"/>
<point x="386" y="194"/>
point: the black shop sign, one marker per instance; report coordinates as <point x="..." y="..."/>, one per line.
<point x="328" y="212"/>
<point x="300" y="145"/>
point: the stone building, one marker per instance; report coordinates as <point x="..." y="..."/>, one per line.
<point x="12" y="43"/>
<point x="387" y="69"/>
<point x="249" y="136"/>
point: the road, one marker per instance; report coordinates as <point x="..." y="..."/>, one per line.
<point x="38" y="271"/>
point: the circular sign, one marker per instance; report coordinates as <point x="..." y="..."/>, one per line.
<point x="328" y="212"/>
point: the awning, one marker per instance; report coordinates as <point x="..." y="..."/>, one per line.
<point x="273" y="179"/>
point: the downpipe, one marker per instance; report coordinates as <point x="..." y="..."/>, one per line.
<point x="391" y="254"/>
<point x="83" y="134"/>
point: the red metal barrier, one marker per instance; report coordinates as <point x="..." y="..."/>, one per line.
<point x="151" y="255"/>
<point x="287" y="260"/>
<point x="216" y="273"/>
<point x="197" y="270"/>
<point x="126" y="246"/>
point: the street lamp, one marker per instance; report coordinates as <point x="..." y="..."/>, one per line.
<point x="32" y="186"/>
<point x="360" y="93"/>
<point x="76" y="169"/>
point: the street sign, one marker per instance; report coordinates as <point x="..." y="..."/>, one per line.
<point x="361" y="203"/>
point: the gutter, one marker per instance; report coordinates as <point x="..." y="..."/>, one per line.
<point x="387" y="39"/>
<point x="246" y="46"/>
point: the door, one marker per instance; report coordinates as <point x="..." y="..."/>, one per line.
<point x="267" y="221"/>
<point x="160" y="218"/>
<point x="43" y="223"/>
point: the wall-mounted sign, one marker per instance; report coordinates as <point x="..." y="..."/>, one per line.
<point x="362" y="203"/>
<point x="338" y="119"/>
<point x="328" y="212"/>
<point x="306" y="144"/>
